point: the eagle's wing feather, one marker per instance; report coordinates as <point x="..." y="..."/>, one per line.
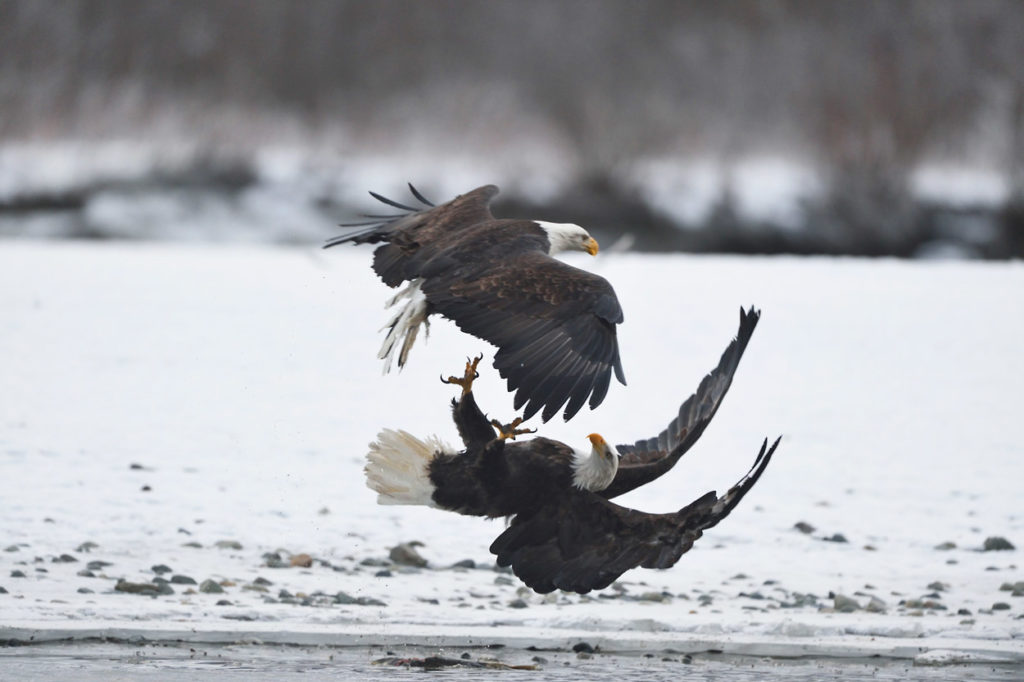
<point x="647" y="459"/>
<point x="553" y="324"/>
<point x="582" y="542"/>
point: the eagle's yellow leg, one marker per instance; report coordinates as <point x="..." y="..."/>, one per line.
<point x="509" y="431"/>
<point x="466" y="381"/>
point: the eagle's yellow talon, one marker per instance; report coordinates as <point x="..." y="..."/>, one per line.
<point x="466" y="381"/>
<point x="509" y="431"/>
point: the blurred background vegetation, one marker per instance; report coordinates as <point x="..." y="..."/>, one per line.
<point x="756" y="126"/>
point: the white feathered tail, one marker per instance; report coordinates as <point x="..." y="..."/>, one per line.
<point x="396" y="467"/>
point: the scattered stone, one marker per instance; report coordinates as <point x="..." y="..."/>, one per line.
<point x="84" y="590"/>
<point x="160" y="569"/>
<point x="1012" y="587"/>
<point x="996" y="543"/>
<point x="924" y="604"/>
<point x="740" y="576"/>
<point x="228" y="544"/>
<point x="210" y="586"/>
<point x="285" y="594"/>
<point x="540" y="660"/>
<point x="65" y="559"/>
<point x="301" y="560"/>
<point x="752" y="595"/>
<point x="1000" y="606"/>
<point x="274" y="560"/>
<point x="224" y="602"/>
<point x="239" y="616"/>
<point x="517" y="604"/>
<point x="945" y="546"/>
<point x="406" y="554"/>
<point x="87" y="546"/>
<point x="503" y="580"/>
<point x="3" y="590"/>
<point x="465" y="563"/>
<point x="179" y="579"/>
<point x="836" y="537"/>
<point x="938" y="586"/>
<point x="876" y="605"/>
<point x="964" y="612"/>
<point x="323" y="511"/>
<point x="582" y="648"/>
<point x="145" y="489"/>
<point x="843" y="604"/>
<point x="261" y="581"/>
<point x="383" y="573"/>
<point x="184" y="531"/>
<point x="97" y="564"/>
<point x="135" y="466"/>
<point x="17" y="574"/>
<point x="12" y="548"/>
<point x="193" y="543"/>
<point x="145" y="589"/>
<point x="659" y="597"/>
<point x="85" y="573"/>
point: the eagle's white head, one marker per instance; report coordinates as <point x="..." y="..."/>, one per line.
<point x="595" y="470"/>
<point x="568" y="237"/>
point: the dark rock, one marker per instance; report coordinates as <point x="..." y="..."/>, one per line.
<point x="228" y="544"/>
<point x="964" y="612"/>
<point x="179" y="579"/>
<point x="65" y="559"/>
<point x="160" y="569"/>
<point x="261" y="581"/>
<point x="465" y="563"/>
<point x="145" y="489"/>
<point x="836" y="537"/>
<point x="17" y="574"/>
<point x="87" y="546"/>
<point x="938" y="586"/>
<point x="12" y="548"/>
<point x="582" y="648"/>
<point x="210" y="586"/>
<point x="804" y="527"/>
<point x="97" y="564"/>
<point x="193" y="544"/>
<point x="383" y="573"/>
<point x="84" y="590"/>
<point x="224" y="602"/>
<point x="86" y="573"/>
<point x="406" y="554"/>
<point x="285" y="594"/>
<point x="996" y="543"/>
<point x="3" y="590"/>
<point x="146" y="589"/>
<point x="239" y="616"/>
<point x="1000" y="606"/>
<point x="517" y="604"/>
<point x="503" y="580"/>
<point x="945" y="546"/>
<point x="274" y="560"/>
<point x="540" y="660"/>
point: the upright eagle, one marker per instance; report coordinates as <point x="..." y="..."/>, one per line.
<point x="565" y="533"/>
<point x="554" y="324"/>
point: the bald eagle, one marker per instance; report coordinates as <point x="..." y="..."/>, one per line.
<point x="554" y="324"/>
<point x="565" y="533"/>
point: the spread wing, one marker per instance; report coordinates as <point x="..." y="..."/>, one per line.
<point x="646" y="460"/>
<point x="553" y="324"/>
<point x="582" y="542"/>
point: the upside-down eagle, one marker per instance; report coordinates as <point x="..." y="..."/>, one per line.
<point x="553" y="324"/>
<point x="565" y="533"/>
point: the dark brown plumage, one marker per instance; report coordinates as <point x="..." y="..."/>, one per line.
<point x="553" y="324"/>
<point x="565" y="534"/>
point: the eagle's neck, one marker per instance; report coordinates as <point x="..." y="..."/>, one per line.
<point x="593" y="471"/>
<point x="562" y="236"/>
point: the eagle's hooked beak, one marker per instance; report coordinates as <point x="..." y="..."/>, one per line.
<point x="590" y="246"/>
<point x="599" y="443"/>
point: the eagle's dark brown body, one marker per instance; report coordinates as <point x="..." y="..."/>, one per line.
<point x="562" y="537"/>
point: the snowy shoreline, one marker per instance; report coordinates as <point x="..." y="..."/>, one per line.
<point x="207" y="409"/>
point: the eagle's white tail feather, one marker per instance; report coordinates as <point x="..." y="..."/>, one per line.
<point x="406" y="322"/>
<point x="397" y="467"/>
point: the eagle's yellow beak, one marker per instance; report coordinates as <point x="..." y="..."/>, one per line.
<point x="590" y="246"/>
<point x="597" y="441"/>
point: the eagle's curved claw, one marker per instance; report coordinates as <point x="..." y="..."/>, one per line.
<point x="466" y="381"/>
<point x="509" y="431"/>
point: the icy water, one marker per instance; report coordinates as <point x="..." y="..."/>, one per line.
<point x="178" y="661"/>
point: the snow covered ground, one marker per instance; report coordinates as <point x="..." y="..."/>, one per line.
<point x="201" y="408"/>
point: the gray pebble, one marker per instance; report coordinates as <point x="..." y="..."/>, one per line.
<point x="3" y="590"/>
<point x="517" y="604"/>
<point x="97" y="564"/>
<point x="383" y="573"/>
<point x="836" y="537"/>
<point x="804" y="527"/>
<point x="844" y="604"/>
<point x="261" y="581"/>
<point x="465" y="563"/>
<point x="210" y="586"/>
<point x="1000" y="606"/>
<point x="179" y="579"/>
<point x="224" y="602"/>
<point x="64" y="559"/>
<point x="85" y="573"/>
<point x="17" y="574"/>
<point x="996" y="543"/>
<point x="160" y="569"/>
<point x="84" y="590"/>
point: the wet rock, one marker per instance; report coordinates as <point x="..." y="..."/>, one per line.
<point x="179" y="579"/>
<point x="836" y="537"/>
<point x="65" y="559"/>
<point x="945" y="546"/>
<point x="540" y="660"/>
<point x="843" y="604"/>
<point x="582" y="648"/>
<point x="997" y="543"/>
<point x="1000" y="606"/>
<point x="17" y="574"/>
<point x="301" y="560"/>
<point x="964" y="612"/>
<point x="517" y="604"/>
<point x="224" y="602"/>
<point x="228" y="544"/>
<point x="804" y="527"/>
<point x="406" y="554"/>
<point x="210" y="586"/>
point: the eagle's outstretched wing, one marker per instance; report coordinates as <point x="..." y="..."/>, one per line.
<point x="582" y="542"/>
<point x="646" y="460"/>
